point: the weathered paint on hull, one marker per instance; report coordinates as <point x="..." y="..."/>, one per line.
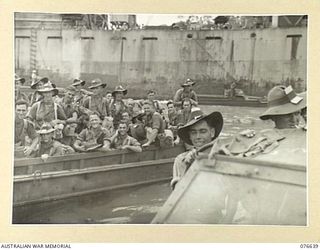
<point x="86" y="160"/>
<point x="74" y="175"/>
<point x="231" y="190"/>
<point x="64" y="184"/>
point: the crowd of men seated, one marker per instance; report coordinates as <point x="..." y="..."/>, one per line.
<point x="55" y="121"/>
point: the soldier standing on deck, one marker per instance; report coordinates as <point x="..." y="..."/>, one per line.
<point x="78" y="95"/>
<point x="37" y="84"/>
<point x="151" y="94"/>
<point x="96" y="102"/>
<point x="117" y="106"/>
<point x="46" y="110"/>
<point x="186" y="92"/>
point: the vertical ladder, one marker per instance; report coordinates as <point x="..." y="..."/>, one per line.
<point x="33" y="49"/>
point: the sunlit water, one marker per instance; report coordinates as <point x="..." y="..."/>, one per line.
<point x="135" y="205"/>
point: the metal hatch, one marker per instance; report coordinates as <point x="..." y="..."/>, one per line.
<point x="230" y="190"/>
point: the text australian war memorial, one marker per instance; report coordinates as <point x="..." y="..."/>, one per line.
<point x="109" y="107"/>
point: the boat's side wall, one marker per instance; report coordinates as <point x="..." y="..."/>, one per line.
<point x="26" y="166"/>
<point x="63" y="184"/>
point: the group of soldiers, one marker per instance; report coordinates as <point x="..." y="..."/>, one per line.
<point x="53" y="121"/>
<point x="47" y="124"/>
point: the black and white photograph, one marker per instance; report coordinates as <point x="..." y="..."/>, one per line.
<point x="180" y="119"/>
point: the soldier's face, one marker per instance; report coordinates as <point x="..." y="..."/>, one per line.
<point x="95" y="121"/>
<point x="70" y="129"/>
<point x="47" y="95"/>
<point x="186" y="105"/>
<point x="109" y="96"/>
<point x="170" y="108"/>
<point x="187" y="89"/>
<point x="21" y="111"/>
<point x="151" y="96"/>
<point x="70" y="96"/>
<point x="287" y="121"/>
<point x="46" y="138"/>
<point x="125" y="116"/>
<point x="122" y="129"/>
<point x="147" y="109"/>
<point x="201" y="133"/>
<point x="118" y="96"/>
<point x="97" y="90"/>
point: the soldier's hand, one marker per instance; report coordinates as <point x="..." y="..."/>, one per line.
<point x="81" y="149"/>
<point x="193" y="102"/>
<point x="27" y="151"/>
<point x="44" y="157"/>
<point x="189" y="158"/>
<point x="146" y="144"/>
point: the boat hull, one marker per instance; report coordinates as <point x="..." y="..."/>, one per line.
<point x="228" y="101"/>
<point x="229" y="190"/>
<point x="61" y="177"/>
<point x="25" y="166"/>
<point x="70" y="183"/>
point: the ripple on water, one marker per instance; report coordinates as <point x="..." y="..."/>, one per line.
<point x="237" y="119"/>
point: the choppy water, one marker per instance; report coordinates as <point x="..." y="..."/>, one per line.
<point x="237" y="119"/>
<point x="134" y="205"/>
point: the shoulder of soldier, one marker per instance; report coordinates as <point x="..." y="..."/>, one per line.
<point x="57" y="144"/>
<point x="59" y="104"/>
<point x="104" y="130"/>
<point x="179" y="91"/>
<point x="130" y="138"/>
<point x="275" y="134"/>
<point x="290" y="132"/>
<point x="180" y="157"/>
<point x="36" y="104"/>
<point x="29" y="123"/>
<point x="156" y="115"/>
<point x="86" y="98"/>
<point x="83" y="132"/>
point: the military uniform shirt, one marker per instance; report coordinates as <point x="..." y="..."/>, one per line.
<point x="155" y="121"/>
<point x="23" y="128"/>
<point x="118" y="141"/>
<point x="41" y="112"/>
